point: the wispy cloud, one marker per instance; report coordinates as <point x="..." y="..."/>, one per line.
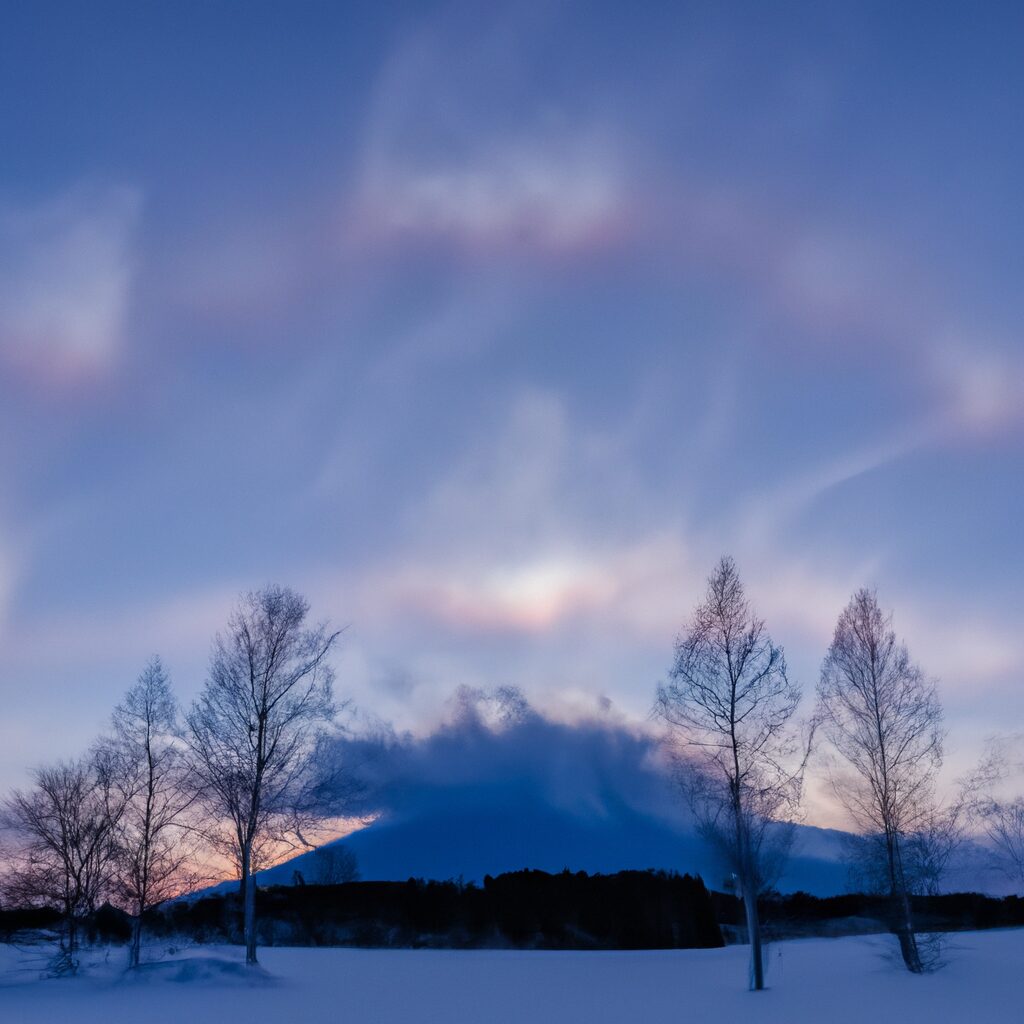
<point x="446" y="156"/>
<point x="8" y="578"/>
<point x="984" y="389"/>
<point x="546" y="193"/>
<point x="765" y="514"/>
<point x="65" y="280"/>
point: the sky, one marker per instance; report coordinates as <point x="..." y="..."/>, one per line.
<point x="490" y="328"/>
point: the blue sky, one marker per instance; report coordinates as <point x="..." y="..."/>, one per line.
<point x="490" y="327"/>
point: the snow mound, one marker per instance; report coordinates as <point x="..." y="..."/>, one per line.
<point x="201" y="970"/>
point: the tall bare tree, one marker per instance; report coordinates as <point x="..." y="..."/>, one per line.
<point x="255" y="730"/>
<point x="156" y="853"/>
<point x="731" y="706"/>
<point x="883" y="719"/>
<point x="64" y="832"/>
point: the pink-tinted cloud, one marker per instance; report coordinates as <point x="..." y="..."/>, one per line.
<point x="528" y="598"/>
<point x="636" y="589"/>
<point x="65" y="281"/>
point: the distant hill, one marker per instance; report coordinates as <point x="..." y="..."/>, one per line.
<point x="472" y="841"/>
<point x="500" y="787"/>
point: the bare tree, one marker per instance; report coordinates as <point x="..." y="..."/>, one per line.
<point x="255" y="731"/>
<point x="731" y="709"/>
<point x="1003" y="822"/>
<point x="934" y="843"/>
<point x="156" y="851"/>
<point x="64" y="832"/>
<point x="926" y="852"/>
<point x="1000" y="814"/>
<point x="883" y="719"/>
<point x="334" y="865"/>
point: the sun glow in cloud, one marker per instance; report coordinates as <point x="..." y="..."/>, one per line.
<point x="528" y="598"/>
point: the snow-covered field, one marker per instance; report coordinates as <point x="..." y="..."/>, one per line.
<point x="817" y="980"/>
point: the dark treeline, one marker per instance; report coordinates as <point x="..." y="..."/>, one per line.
<point x="523" y="909"/>
<point x="526" y="910"/>
<point x="799" y="914"/>
<point x="16" y="921"/>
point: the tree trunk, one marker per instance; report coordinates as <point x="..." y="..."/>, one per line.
<point x="249" y="927"/>
<point x="903" y="919"/>
<point x="754" y="937"/>
<point x="904" y="929"/>
<point x="136" y="945"/>
<point x="238" y="920"/>
<point x="65" y="962"/>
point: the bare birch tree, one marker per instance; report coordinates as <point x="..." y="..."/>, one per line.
<point x="883" y="719"/>
<point x="255" y="731"/>
<point x="731" y="707"/>
<point x="1003" y="823"/>
<point x="65" y="844"/>
<point x="998" y="811"/>
<point x="156" y="850"/>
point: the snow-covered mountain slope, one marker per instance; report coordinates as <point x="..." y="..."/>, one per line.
<point x="484" y="794"/>
<point x="466" y="840"/>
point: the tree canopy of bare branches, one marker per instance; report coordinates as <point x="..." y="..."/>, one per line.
<point x="996" y="808"/>
<point x="255" y="730"/>
<point x="882" y="717"/>
<point x="1003" y="823"/>
<point x="156" y="854"/>
<point x="65" y="843"/>
<point x="731" y="707"/>
<point x="334" y="864"/>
